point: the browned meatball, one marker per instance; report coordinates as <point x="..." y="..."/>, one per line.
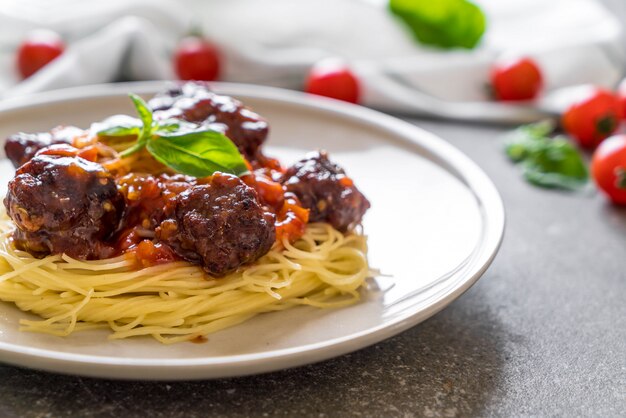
<point x="64" y="204"/>
<point x="194" y="102"/>
<point x="219" y="225"/>
<point x="21" y="147"/>
<point x="324" y="188"/>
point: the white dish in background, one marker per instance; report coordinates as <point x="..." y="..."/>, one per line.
<point x="435" y="225"/>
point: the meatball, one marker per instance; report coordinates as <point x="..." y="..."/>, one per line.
<point x="219" y="225"/>
<point x="21" y="147"/>
<point x="324" y="188"/>
<point x="194" y="102"/>
<point x="64" y="204"/>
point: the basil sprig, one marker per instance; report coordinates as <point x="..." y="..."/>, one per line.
<point x="197" y="153"/>
<point x="442" y="23"/>
<point x="547" y="162"/>
<point x="145" y="115"/>
<point x="118" y="125"/>
<point x="183" y="146"/>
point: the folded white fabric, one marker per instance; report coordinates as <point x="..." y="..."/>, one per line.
<point x="275" y="42"/>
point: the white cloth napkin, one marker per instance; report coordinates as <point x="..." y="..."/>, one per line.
<point x="275" y="42"/>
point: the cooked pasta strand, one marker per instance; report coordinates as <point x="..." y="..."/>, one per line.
<point x="177" y="301"/>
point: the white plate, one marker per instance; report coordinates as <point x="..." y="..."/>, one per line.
<point x="435" y="225"/>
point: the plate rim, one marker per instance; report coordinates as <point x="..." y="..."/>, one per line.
<point x="440" y="151"/>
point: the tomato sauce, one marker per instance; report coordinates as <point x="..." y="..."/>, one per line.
<point x="148" y="253"/>
<point x="151" y="199"/>
<point x="291" y="217"/>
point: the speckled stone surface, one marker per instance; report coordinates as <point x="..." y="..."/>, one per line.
<point x="543" y="333"/>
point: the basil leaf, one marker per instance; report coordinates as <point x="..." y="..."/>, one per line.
<point x="547" y="162"/>
<point x="175" y="125"/>
<point x="186" y="147"/>
<point x="123" y="125"/>
<point x="556" y="164"/>
<point x="197" y="154"/>
<point x="120" y="131"/>
<point x="145" y="114"/>
<point x="442" y="23"/>
<point x="520" y="143"/>
<point x="118" y="125"/>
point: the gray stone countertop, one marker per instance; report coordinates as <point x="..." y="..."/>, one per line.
<point x="542" y="333"/>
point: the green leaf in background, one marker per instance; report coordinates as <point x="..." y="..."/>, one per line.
<point x="443" y="23"/>
<point x="547" y="162"/>
<point x="197" y="154"/>
<point x="558" y="164"/>
<point x="145" y="114"/>
<point x="522" y="141"/>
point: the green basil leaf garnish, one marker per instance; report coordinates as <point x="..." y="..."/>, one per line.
<point x="120" y="131"/>
<point x="118" y="125"/>
<point x="186" y="147"/>
<point x="442" y="23"/>
<point x="547" y="162"/>
<point x="145" y="114"/>
<point x="197" y="154"/>
<point x="174" y="125"/>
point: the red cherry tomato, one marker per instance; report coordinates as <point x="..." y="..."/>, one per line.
<point x="608" y="168"/>
<point x="592" y="118"/>
<point x="621" y="96"/>
<point x="518" y="79"/>
<point x="332" y="78"/>
<point x="38" y="49"/>
<point x="197" y="59"/>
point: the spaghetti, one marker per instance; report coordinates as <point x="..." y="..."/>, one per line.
<point x="175" y="302"/>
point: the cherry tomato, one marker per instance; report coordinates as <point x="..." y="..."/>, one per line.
<point x="621" y="96"/>
<point x="592" y="118"/>
<point x="608" y="168"/>
<point x="518" y="79"/>
<point x="38" y="49"/>
<point x="332" y="78"/>
<point x="197" y="59"/>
